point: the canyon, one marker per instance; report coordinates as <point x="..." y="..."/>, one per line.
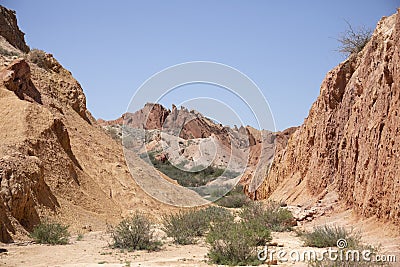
<point x="57" y="161"/>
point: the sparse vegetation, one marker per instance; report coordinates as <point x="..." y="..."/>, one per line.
<point x="216" y="214"/>
<point x="39" y="58"/>
<point x="353" y="41"/>
<point x="272" y="216"/>
<point x="327" y="236"/>
<point x="236" y="198"/>
<point x="185" y="226"/>
<point x="115" y="132"/>
<point x="134" y="233"/>
<point x="235" y="243"/>
<point x="79" y="237"/>
<point x="7" y="53"/>
<point x="198" y="176"/>
<point x="52" y="233"/>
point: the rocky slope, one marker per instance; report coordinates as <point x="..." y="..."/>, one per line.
<point x="199" y="141"/>
<point x="350" y="140"/>
<point x="10" y="31"/>
<point x="180" y="122"/>
<point x="55" y="161"/>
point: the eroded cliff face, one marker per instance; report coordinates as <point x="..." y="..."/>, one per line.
<point x="55" y="161"/>
<point x="10" y="31"/>
<point x="181" y="122"/>
<point x="350" y="140"/>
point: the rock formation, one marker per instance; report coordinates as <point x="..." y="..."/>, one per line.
<point x="350" y="140"/>
<point x="10" y="31"/>
<point x="244" y="148"/>
<point x="55" y="161"/>
<point x="181" y="122"/>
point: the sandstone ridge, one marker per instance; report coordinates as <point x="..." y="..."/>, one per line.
<point x="349" y="142"/>
<point x="55" y="160"/>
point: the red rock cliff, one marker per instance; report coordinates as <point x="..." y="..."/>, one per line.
<point x="350" y="140"/>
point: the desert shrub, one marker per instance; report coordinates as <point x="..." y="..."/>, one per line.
<point x="134" y="233"/>
<point x="197" y="176"/>
<point x="185" y="226"/>
<point x="115" y="133"/>
<point x="39" y="58"/>
<point x="52" y="233"/>
<point x="328" y="236"/>
<point x="262" y="234"/>
<point x="236" y="198"/>
<point x="353" y="41"/>
<point x="235" y="243"/>
<point x="232" y="201"/>
<point x="215" y="214"/>
<point x="272" y="216"/>
<point x="6" y="52"/>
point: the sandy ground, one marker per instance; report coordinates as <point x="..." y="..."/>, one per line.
<point x="94" y="250"/>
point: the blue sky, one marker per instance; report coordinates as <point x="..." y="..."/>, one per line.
<point x="112" y="47"/>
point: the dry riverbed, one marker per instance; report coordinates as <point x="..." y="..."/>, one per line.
<point x="94" y="250"/>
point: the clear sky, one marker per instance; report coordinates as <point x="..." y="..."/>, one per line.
<point x="112" y="47"/>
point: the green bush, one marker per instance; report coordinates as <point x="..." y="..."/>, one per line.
<point x="261" y="232"/>
<point x="236" y="198"/>
<point x="52" y="233"/>
<point x="215" y="214"/>
<point x="272" y="216"/>
<point x="134" y="233"/>
<point x="327" y="236"/>
<point x="197" y="176"/>
<point x="233" y="201"/>
<point x="185" y="226"/>
<point x="235" y="243"/>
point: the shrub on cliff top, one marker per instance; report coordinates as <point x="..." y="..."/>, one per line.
<point x="38" y="57"/>
<point x="353" y="41"/>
